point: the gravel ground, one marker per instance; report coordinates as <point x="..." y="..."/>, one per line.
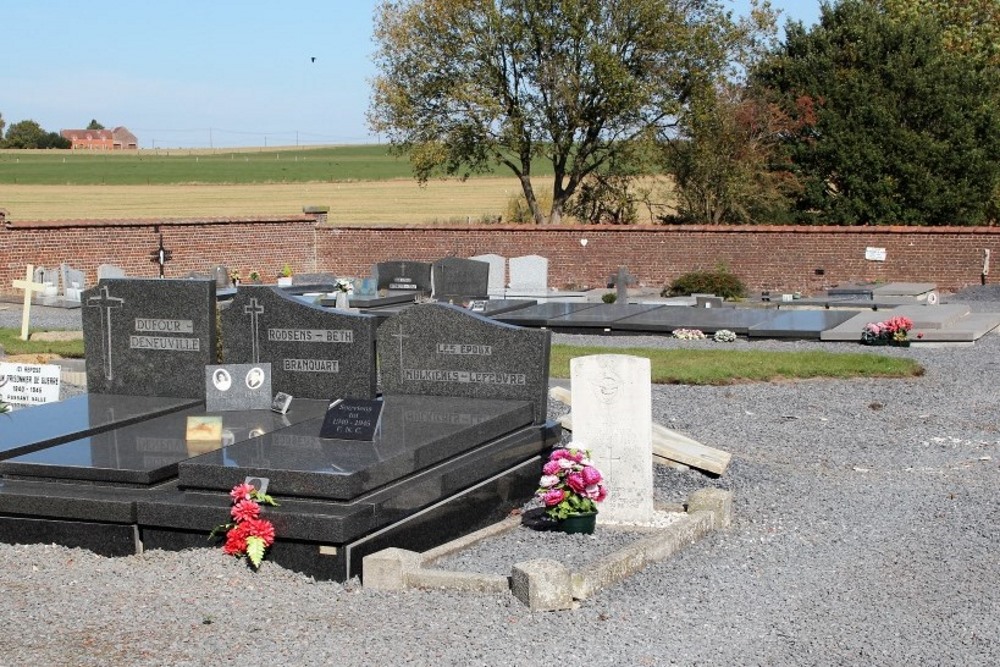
<point x="865" y="533"/>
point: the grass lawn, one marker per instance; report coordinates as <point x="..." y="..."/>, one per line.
<point x="719" y="367"/>
<point x="10" y="341"/>
<point x="687" y="366"/>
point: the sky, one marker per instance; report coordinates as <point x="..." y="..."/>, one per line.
<point x="197" y="74"/>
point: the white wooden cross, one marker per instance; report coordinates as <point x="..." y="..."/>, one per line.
<point x="29" y="286"/>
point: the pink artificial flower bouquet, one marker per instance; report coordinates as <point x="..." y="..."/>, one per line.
<point x="892" y="331"/>
<point x="570" y="483"/>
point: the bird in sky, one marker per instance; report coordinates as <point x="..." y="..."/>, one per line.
<point x="313" y="59"/>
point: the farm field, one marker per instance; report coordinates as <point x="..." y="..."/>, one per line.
<point x="361" y="184"/>
<point x="396" y="201"/>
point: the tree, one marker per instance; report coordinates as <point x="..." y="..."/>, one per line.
<point x="906" y="131"/>
<point x="24" y="134"/>
<point x="2" y="124"/>
<point x="969" y="27"/>
<point x="94" y="125"/>
<point x="726" y="161"/>
<point x="54" y="140"/>
<point x="465" y="85"/>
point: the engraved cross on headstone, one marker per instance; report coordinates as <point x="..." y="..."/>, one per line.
<point x="400" y="336"/>
<point x="254" y="310"/>
<point x="608" y="455"/>
<point x="106" y="303"/>
<point x="29" y="286"/>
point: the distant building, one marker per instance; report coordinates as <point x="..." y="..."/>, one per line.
<point x="101" y="140"/>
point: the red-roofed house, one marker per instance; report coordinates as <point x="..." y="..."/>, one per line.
<point x="102" y="140"/>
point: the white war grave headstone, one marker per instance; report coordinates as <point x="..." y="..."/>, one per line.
<point x="29" y="286"/>
<point x="29" y="384"/>
<point x="612" y="417"/>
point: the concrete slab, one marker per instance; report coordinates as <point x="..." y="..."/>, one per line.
<point x="944" y="320"/>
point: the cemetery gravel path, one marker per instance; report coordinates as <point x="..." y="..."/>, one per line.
<point x="865" y="533"/>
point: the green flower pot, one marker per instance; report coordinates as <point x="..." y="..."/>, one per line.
<point x="582" y="524"/>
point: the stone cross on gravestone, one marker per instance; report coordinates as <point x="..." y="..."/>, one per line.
<point x="254" y="310"/>
<point x="29" y="286"/>
<point x="612" y="417"/>
<point x="106" y="303"/>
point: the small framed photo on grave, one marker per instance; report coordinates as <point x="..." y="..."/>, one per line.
<point x="281" y="403"/>
<point x="238" y="387"/>
<point x="259" y="483"/>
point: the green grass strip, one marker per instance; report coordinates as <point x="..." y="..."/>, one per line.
<point x="10" y="341"/>
<point x="721" y="367"/>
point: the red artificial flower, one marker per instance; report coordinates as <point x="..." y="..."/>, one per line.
<point x="245" y="509"/>
<point x="261" y="528"/>
<point x="236" y="541"/>
<point x="241" y="492"/>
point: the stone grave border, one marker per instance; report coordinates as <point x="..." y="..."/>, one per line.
<point x="543" y="584"/>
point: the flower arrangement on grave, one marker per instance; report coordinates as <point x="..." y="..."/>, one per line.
<point x="689" y="334"/>
<point x="344" y="285"/>
<point x="286" y="271"/>
<point x="247" y="534"/>
<point x="893" y="331"/>
<point x="570" y="483"/>
<point x="255" y="276"/>
<point x="234" y="277"/>
<point x="724" y="336"/>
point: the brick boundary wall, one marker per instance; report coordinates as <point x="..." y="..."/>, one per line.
<point x="779" y="258"/>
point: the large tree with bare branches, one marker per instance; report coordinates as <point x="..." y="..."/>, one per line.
<point x="464" y="85"/>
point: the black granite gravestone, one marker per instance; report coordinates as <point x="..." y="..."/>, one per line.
<point x="442" y="350"/>
<point x="149" y="337"/>
<point x="459" y="280"/>
<point x="396" y="276"/>
<point x="313" y="352"/>
<point x="440" y="463"/>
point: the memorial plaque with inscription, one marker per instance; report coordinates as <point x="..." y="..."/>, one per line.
<point x="149" y="337"/>
<point x="443" y="350"/>
<point x="351" y="419"/>
<point x="313" y="352"/>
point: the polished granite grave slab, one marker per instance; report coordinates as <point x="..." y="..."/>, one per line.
<point x="708" y="320"/>
<point x="41" y="426"/>
<point x="148" y="452"/>
<point x="327" y="539"/>
<point x="603" y="316"/>
<point x="798" y="324"/>
<point x="415" y="433"/>
<point x="541" y="314"/>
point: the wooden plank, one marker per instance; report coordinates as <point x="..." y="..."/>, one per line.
<point x="561" y="394"/>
